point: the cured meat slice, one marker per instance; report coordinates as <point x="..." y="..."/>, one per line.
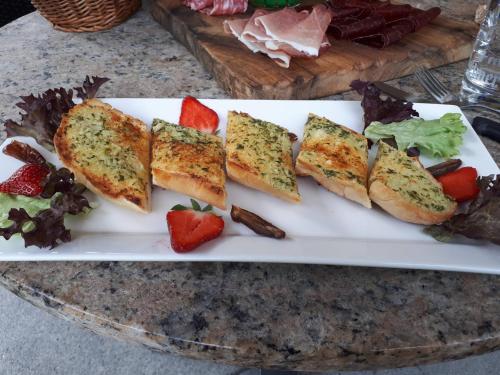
<point x="419" y="18"/>
<point x="226" y="7"/>
<point x="396" y="31"/>
<point x="358" y="28"/>
<point x="345" y="12"/>
<point x="307" y="33"/>
<point x="236" y="27"/>
<point x="253" y="32"/>
<point x="278" y="46"/>
<point x="394" y="12"/>
<point x="198" y="4"/>
<point x="376" y="23"/>
<point x="384" y="37"/>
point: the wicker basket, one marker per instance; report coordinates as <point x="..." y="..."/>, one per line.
<point x="86" y="15"/>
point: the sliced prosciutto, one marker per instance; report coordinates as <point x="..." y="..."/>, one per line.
<point x="253" y="32"/>
<point x="237" y="27"/>
<point x="303" y="32"/>
<point x="284" y="33"/>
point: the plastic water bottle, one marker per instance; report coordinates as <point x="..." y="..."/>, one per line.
<point x="482" y="76"/>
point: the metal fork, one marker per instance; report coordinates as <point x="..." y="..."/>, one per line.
<point x="442" y="95"/>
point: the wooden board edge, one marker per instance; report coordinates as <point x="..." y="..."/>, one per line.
<point x="306" y="89"/>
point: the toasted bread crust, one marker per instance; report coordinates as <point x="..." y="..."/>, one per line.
<point x="404" y="210"/>
<point x="189" y="162"/>
<point x="349" y="190"/>
<point x="192" y="186"/>
<point x="336" y="157"/>
<point x="259" y="155"/>
<point x="429" y="207"/>
<point x="81" y="151"/>
<point x="245" y="176"/>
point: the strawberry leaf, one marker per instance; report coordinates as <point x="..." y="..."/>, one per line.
<point x="179" y="207"/>
<point x="207" y="208"/>
<point x="196" y="205"/>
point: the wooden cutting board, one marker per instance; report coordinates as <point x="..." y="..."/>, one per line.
<point x="244" y="74"/>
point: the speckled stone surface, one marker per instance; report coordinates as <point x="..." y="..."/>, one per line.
<point x="258" y="315"/>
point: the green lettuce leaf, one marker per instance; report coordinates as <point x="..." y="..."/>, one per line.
<point x="31" y="205"/>
<point x="436" y="138"/>
<point x="40" y="221"/>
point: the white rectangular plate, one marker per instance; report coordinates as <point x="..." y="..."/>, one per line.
<point x="323" y="229"/>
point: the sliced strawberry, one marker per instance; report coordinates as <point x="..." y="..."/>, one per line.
<point x="198" y="116"/>
<point x="460" y="184"/>
<point x="191" y="227"/>
<point x="27" y="180"/>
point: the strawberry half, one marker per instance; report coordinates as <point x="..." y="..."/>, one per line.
<point x="191" y="227"/>
<point x="198" y="116"/>
<point x="27" y="180"/>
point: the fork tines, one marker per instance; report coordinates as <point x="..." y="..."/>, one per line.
<point x="433" y="85"/>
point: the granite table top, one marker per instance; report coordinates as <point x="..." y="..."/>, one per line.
<point x="302" y="317"/>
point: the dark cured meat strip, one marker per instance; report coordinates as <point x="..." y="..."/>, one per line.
<point x="386" y="36"/>
<point x="345" y="12"/>
<point x="419" y="18"/>
<point x="376" y="23"/>
<point x="358" y="28"/>
<point x="397" y="30"/>
<point x="394" y="12"/>
<point x="370" y="4"/>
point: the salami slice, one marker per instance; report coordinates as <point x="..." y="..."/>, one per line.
<point x="226" y="7"/>
<point x="198" y="4"/>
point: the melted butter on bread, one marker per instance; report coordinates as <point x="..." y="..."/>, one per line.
<point x="189" y="161"/>
<point x="259" y="155"/>
<point x="108" y="151"/>
<point x="336" y="157"/>
<point x="404" y="188"/>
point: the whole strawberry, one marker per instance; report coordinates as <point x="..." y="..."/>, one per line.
<point x="27" y="180"/>
<point x="191" y="227"/>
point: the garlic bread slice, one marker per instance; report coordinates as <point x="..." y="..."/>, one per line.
<point x="108" y="151"/>
<point x="336" y="157"/>
<point x="189" y="161"/>
<point x="259" y="155"/>
<point x="406" y="190"/>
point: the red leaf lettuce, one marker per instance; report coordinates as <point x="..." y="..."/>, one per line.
<point x="43" y="113"/>
<point x="480" y="219"/>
